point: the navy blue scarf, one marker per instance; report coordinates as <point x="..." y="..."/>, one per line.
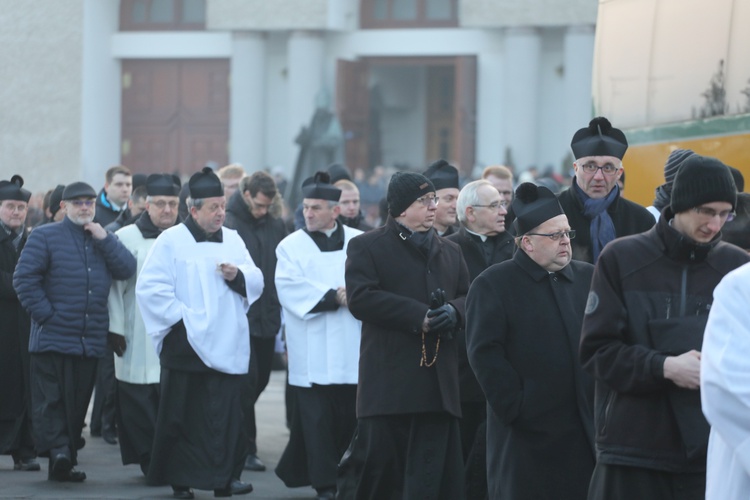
<point x="602" y="227"/>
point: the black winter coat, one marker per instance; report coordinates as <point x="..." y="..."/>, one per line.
<point x="523" y="328"/>
<point x="476" y="263"/>
<point x="261" y="237"/>
<point x="650" y="298"/>
<point x="388" y="286"/>
<point x="628" y="218"/>
<point x="14" y="341"/>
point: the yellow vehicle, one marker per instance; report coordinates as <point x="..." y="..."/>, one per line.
<point x="674" y="74"/>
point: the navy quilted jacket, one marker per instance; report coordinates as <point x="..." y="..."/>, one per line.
<point x="63" y="279"/>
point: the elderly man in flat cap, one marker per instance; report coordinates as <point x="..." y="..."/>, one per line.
<point x="322" y="339"/>
<point x="194" y="291"/>
<point x="137" y="366"/>
<point x="15" y="398"/>
<point x="407" y="286"/>
<point x="63" y="279"/>
<point x="641" y="340"/>
<point x="523" y="324"/>
<point x="593" y="204"/>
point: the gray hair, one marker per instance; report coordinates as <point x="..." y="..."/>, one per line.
<point x="197" y="203"/>
<point x="469" y="197"/>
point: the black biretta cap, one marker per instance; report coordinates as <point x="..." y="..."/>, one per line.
<point x="319" y="187"/>
<point x="534" y="205"/>
<point x="205" y="184"/>
<point x="600" y="138"/>
<point x="13" y="190"/>
<point x="163" y="185"/>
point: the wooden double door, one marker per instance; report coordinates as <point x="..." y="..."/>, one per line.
<point x="175" y="115"/>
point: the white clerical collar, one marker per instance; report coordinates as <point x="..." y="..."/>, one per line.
<point x="329" y="232"/>
<point x="483" y="237"/>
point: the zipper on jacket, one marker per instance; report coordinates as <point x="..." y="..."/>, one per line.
<point x="683" y="291"/>
<point x="669" y="306"/>
<point x="607" y="409"/>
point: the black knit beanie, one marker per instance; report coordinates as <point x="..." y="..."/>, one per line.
<point x="404" y="188"/>
<point x="674" y="162"/>
<point x="702" y="179"/>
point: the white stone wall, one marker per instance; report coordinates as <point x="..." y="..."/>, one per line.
<point x="266" y="14"/>
<point x="507" y="13"/>
<point x="41" y="91"/>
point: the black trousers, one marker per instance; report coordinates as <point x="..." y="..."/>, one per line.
<point x="61" y="387"/>
<point x="256" y="380"/>
<point x="137" y="406"/>
<point x="618" y="482"/>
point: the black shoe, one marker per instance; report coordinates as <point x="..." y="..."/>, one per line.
<point x="326" y="494"/>
<point x="109" y="435"/>
<point x="59" y="467"/>
<point x="184" y="492"/>
<point x="253" y="463"/>
<point x="236" y="487"/>
<point x="27" y="464"/>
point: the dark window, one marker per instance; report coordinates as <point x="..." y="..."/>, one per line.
<point x="162" y="15"/>
<point x="409" y="13"/>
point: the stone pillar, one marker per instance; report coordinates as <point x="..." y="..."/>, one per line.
<point x="305" y="63"/>
<point x="248" y="100"/>
<point x="522" y="55"/>
<point x="578" y="47"/>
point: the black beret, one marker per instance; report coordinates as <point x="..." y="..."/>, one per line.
<point x="163" y="185"/>
<point x="13" y="190"/>
<point x="442" y="175"/>
<point x="532" y="206"/>
<point x="78" y="190"/>
<point x="205" y="184"/>
<point x="319" y="187"/>
<point x="600" y="138"/>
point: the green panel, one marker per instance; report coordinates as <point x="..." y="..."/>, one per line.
<point x="695" y="129"/>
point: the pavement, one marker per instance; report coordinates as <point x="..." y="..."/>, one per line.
<point x="108" y="478"/>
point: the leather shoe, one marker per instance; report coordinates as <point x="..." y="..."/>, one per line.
<point x="184" y="492"/>
<point x="236" y="487"/>
<point x="109" y="435"/>
<point x="27" y="464"/>
<point x="61" y="469"/>
<point x="328" y="494"/>
<point x="253" y="463"/>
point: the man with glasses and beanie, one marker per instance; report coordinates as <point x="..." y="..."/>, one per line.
<point x="407" y="286"/>
<point x="15" y="398"/>
<point x="523" y="324"/>
<point x="641" y="339"/>
<point x="193" y="291"/>
<point x="137" y="368"/>
<point x="63" y="279"/>
<point x="593" y="204"/>
<point x="484" y="241"/>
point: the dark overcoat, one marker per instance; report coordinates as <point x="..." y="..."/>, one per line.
<point x="261" y="237"/>
<point x="14" y="347"/>
<point x="523" y="330"/>
<point x="628" y="218"/>
<point x="476" y="263"/>
<point x="388" y="284"/>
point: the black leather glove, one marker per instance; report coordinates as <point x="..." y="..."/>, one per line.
<point x="443" y="320"/>
<point x="117" y="343"/>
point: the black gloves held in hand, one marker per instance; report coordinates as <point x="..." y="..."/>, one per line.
<point x="443" y="320"/>
<point x="117" y="343"/>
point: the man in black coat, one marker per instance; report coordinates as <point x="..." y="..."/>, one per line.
<point x="484" y="241"/>
<point x="593" y="204"/>
<point x="15" y="396"/>
<point x="407" y="286"/>
<point x="523" y="324"/>
<point x="247" y="212"/>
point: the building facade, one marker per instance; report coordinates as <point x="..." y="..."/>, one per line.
<point x="168" y="85"/>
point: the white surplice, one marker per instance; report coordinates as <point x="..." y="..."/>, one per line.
<point x="180" y="280"/>
<point x="725" y="388"/>
<point x="323" y="347"/>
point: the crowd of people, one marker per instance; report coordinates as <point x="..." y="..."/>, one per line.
<point x="473" y="340"/>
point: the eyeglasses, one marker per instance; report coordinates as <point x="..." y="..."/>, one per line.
<point x="570" y="234"/>
<point x="494" y="205"/>
<point x="725" y="215"/>
<point x="607" y="168"/>
<point x="161" y="204"/>
<point x="426" y="200"/>
<point x="82" y="203"/>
